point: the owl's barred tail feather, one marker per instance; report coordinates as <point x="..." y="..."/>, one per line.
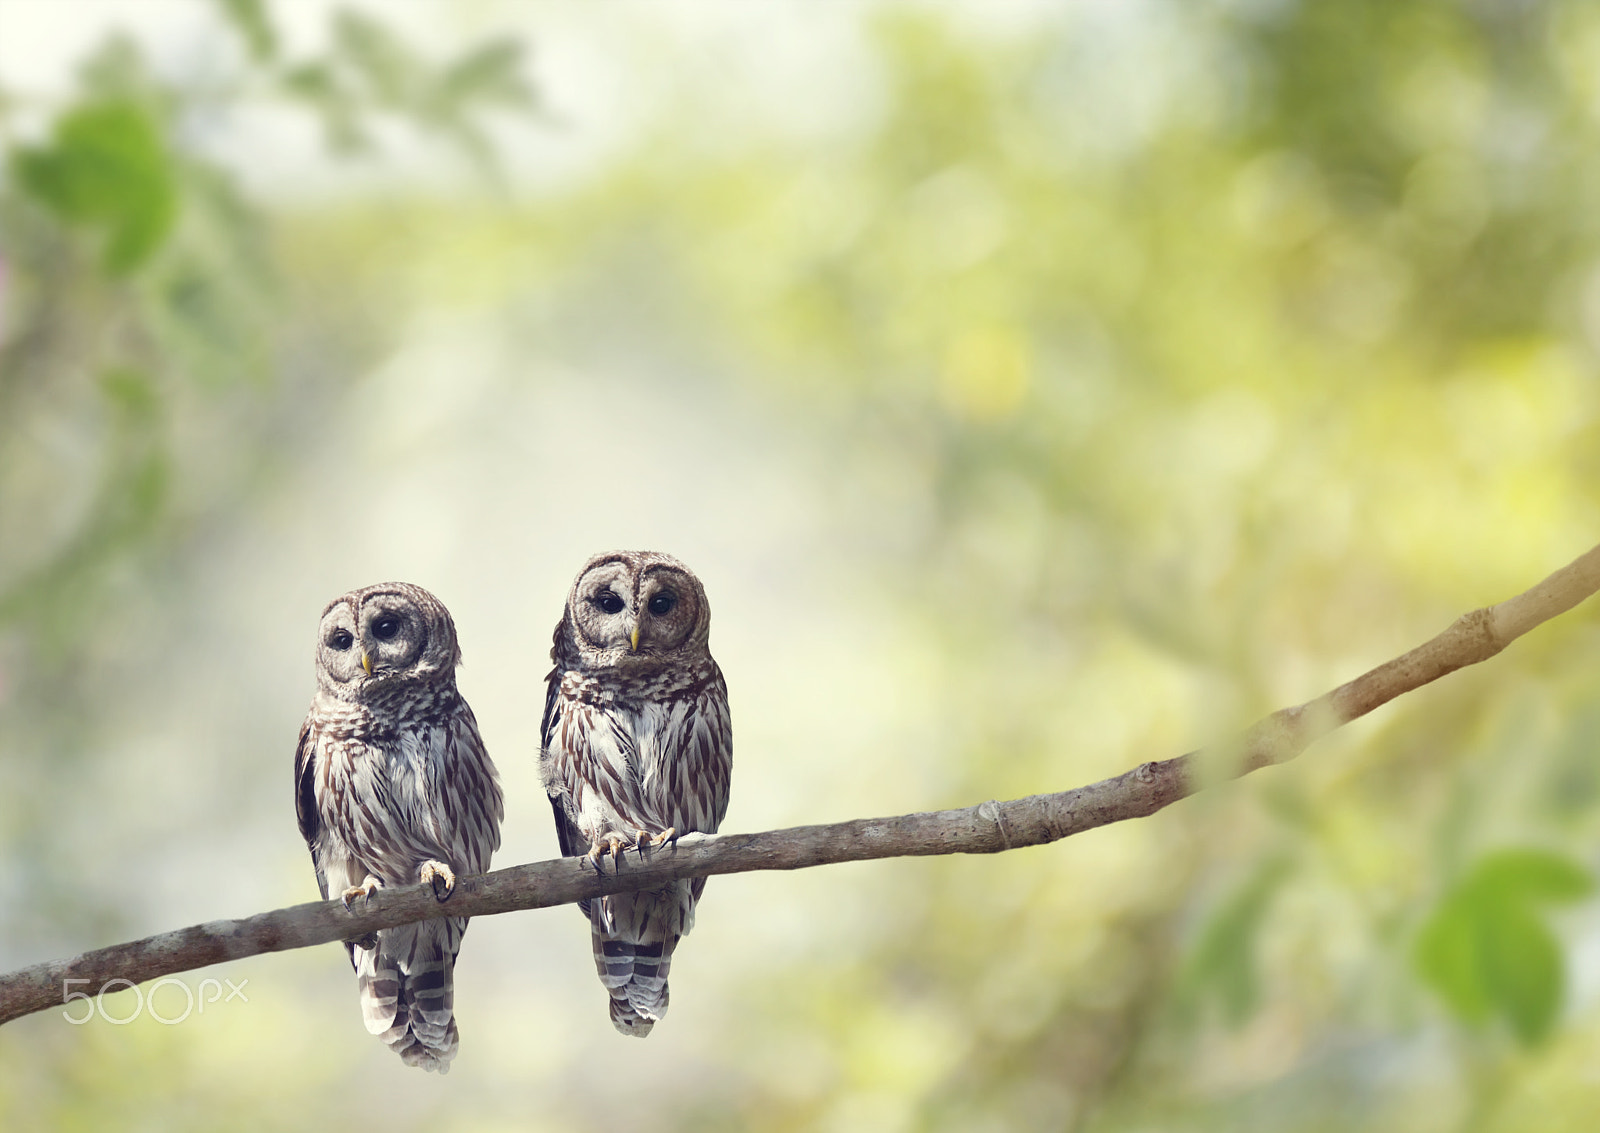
<point x="407" y="990"/>
<point x="636" y="977"/>
<point x="634" y="935"/>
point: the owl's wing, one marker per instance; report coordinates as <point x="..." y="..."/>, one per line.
<point x="721" y="749"/>
<point x="470" y="792"/>
<point x="552" y="689"/>
<point x="700" y="734"/>
<point x="572" y="843"/>
<point x="704" y="741"/>
<point x="305" y="798"/>
<point x="551" y="764"/>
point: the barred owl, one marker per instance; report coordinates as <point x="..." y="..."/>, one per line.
<point x="393" y="786"/>
<point x="637" y="749"/>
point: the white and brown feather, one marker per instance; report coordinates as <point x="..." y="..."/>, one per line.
<point x="391" y="773"/>
<point x="636" y="740"/>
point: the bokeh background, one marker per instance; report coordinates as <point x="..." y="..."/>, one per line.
<point x="1039" y="388"/>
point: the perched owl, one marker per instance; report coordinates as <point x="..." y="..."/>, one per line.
<point x="637" y="749"/>
<point x="393" y="787"/>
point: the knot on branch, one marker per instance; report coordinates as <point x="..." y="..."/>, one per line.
<point x="1477" y="633"/>
<point x="1280" y="737"/>
<point x="991" y="811"/>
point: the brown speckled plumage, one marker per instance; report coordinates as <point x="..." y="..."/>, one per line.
<point x="393" y="786"/>
<point x="636" y="739"/>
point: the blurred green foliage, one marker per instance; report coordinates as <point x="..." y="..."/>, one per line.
<point x="1222" y="960"/>
<point x="1487" y="950"/>
<point x="369" y="70"/>
<point x="1168" y="364"/>
<point x="106" y="170"/>
<point x="183" y="290"/>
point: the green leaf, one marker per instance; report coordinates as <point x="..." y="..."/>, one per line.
<point x="373" y="52"/>
<point x="1486" y="950"/>
<point x="106" y="169"/>
<point x="491" y="72"/>
<point x="145" y="494"/>
<point x="131" y="393"/>
<point x="1533" y="875"/>
<point x="312" y="81"/>
<point x="249" y="18"/>
<point x="1523" y="972"/>
<point x="316" y="83"/>
<point x="1223" y="963"/>
<point x="1446" y="957"/>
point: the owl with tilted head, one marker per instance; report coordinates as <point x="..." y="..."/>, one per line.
<point x="393" y="786"/>
<point x="637" y="748"/>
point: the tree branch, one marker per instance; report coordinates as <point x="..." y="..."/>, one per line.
<point x="988" y="828"/>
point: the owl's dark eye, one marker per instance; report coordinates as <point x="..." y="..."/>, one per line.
<point x="386" y="627"/>
<point x="662" y="603"/>
<point x="608" y="602"/>
<point x="341" y="640"/>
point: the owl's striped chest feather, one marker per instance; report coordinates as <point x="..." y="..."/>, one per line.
<point x="647" y="754"/>
<point x="393" y="791"/>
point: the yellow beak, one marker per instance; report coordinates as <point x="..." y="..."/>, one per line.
<point x="366" y="662"/>
<point x="633" y="640"/>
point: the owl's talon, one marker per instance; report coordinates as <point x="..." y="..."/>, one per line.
<point x="365" y="891"/>
<point x="613" y="844"/>
<point x="648" y="842"/>
<point x="433" y="873"/>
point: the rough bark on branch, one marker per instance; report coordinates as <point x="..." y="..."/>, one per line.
<point x="987" y="828"/>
